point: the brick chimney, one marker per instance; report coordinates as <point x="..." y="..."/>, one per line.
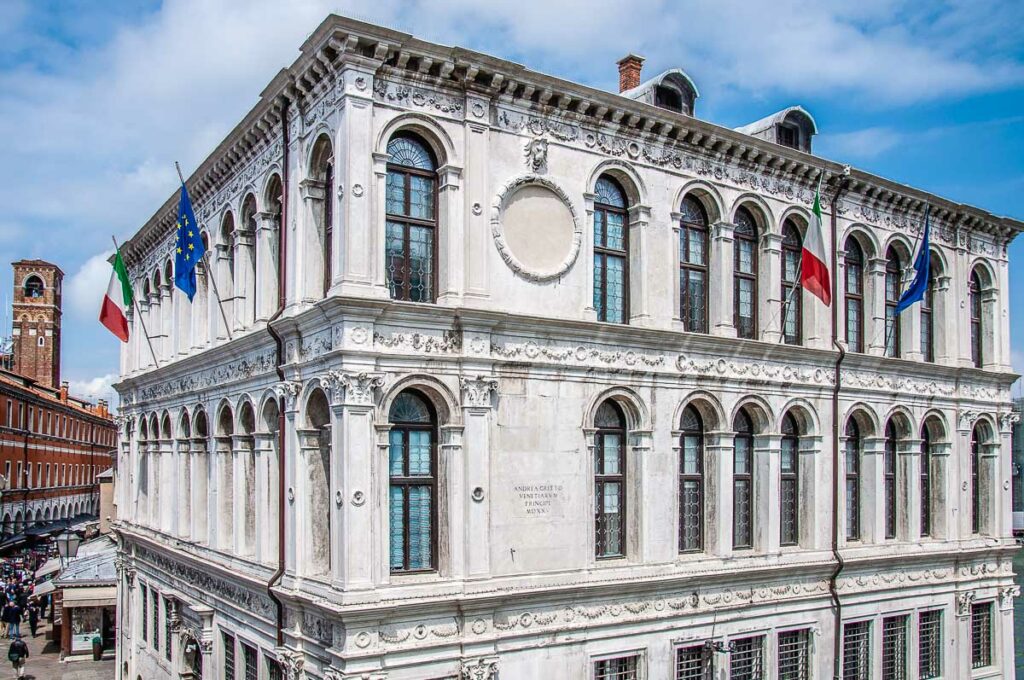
<point x="629" y="72"/>
<point x="64" y="391"/>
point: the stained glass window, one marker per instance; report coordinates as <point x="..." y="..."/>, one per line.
<point x="412" y="496"/>
<point x="789" y="471"/>
<point x="611" y="252"/>
<point x="743" y="482"/>
<point x="854" y="296"/>
<point x="792" y="298"/>
<point x="610" y="481"/>
<point x="745" y="274"/>
<point x="411" y="207"/>
<point x="691" y="482"/>
<point x="693" y="266"/>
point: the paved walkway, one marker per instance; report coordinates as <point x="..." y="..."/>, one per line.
<point x="44" y="661"/>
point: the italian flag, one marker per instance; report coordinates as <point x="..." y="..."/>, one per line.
<point x="113" y="313"/>
<point x="813" y="268"/>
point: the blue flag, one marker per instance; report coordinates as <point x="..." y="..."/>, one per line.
<point x="922" y="266"/>
<point x="188" y="248"/>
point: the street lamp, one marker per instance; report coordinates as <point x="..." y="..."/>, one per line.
<point x="67" y="545"/>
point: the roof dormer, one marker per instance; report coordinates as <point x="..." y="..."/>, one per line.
<point x="672" y="89"/>
<point x="793" y="127"/>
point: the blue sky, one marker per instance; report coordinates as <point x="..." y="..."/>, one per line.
<point x="98" y="99"/>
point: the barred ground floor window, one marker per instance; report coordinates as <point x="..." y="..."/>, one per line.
<point x="746" y="659"/>
<point x="693" y="662"/>
<point x="795" y="655"/>
<point x="929" y="644"/>
<point x="857" y="650"/>
<point x="981" y="635"/>
<point x="618" y="668"/>
<point x="894" y="647"/>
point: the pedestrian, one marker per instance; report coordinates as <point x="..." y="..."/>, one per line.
<point x="5" y="617"/>
<point x="16" y="621"/>
<point x="33" y="617"/>
<point x="17" y="653"/>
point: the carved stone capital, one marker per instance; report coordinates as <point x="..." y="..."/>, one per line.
<point x="966" y="419"/>
<point x="292" y="663"/>
<point x="353" y="388"/>
<point x="1006" y="597"/>
<point x="289" y="390"/>
<point x="477" y="390"/>
<point x="482" y="668"/>
<point x="964" y="602"/>
<point x="1008" y="420"/>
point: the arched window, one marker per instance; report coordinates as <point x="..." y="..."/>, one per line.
<point x="889" y="479"/>
<point x="693" y="266"/>
<point x="412" y="495"/>
<point x="974" y="302"/>
<point x="611" y="252"/>
<point x="745" y="275"/>
<point x="854" y="446"/>
<point x="927" y="324"/>
<point x="789" y="488"/>
<point x="34" y="287"/>
<point x="411" y="206"/>
<point x="926" y="481"/>
<point x="743" y="482"/>
<point x="792" y="302"/>
<point x="691" y="481"/>
<point x="893" y="290"/>
<point x="854" y="296"/>
<point x="610" y="481"/>
<point x="978" y="437"/>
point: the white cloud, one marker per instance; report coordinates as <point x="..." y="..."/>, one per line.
<point x="859" y="144"/>
<point x="94" y="389"/>
<point x="84" y="291"/>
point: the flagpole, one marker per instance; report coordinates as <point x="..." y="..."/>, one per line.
<point x="789" y="298"/>
<point x="213" y="274"/>
<point x="138" y="312"/>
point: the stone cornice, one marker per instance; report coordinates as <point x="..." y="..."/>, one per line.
<point x="340" y="42"/>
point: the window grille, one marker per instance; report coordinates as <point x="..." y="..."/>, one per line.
<point x="693" y="266"/>
<point x="789" y="136"/>
<point x="890" y="479"/>
<point x="229" y="656"/>
<point x="610" y="481"/>
<point x="743" y="482"/>
<point x="857" y="650"/>
<point x="746" y="659"/>
<point x="981" y="635"/>
<point x="249" y="661"/>
<point x="929" y="644"/>
<point x="167" y="629"/>
<point x="145" y="609"/>
<point x="745" y="274"/>
<point x="693" y="663"/>
<point x="795" y="655"/>
<point x="274" y="671"/>
<point x="854" y="262"/>
<point x="156" y="619"/>
<point x="620" y="668"/>
<point x="894" y="647"/>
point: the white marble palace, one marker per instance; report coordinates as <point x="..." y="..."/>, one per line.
<point x="515" y="378"/>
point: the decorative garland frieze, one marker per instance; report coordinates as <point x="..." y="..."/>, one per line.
<point x="231" y="372"/>
<point x="449" y="342"/>
<point x="204" y="583"/>
<point x="411" y="97"/>
<point x="577" y="355"/>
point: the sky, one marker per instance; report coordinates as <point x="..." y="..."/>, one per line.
<point x="98" y="99"/>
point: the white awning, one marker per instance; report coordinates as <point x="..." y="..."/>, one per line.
<point x="90" y="596"/>
<point x="44" y="588"/>
<point x="51" y="566"/>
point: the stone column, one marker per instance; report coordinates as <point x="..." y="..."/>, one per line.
<point x="720" y="271"/>
<point x="672" y="260"/>
<point x="245" y="276"/>
<point x="910" y="321"/>
<point x="182" y="512"/>
<point x="244" y="474"/>
<point x="1003" y="652"/>
<point x="268" y="234"/>
<point x="200" y="520"/>
<point x="991" y="323"/>
<point x="874" y="307"/>
<point x="943" y="337"/>
<point x="1001" y="314"/>
<point x="769" y="288"/>
<point x="310" y="250"/>
<point x="1003" y="470"/>
<point x="718" y="493"/>
<point x="200" y="311"/>
<point x="478" y="396"/>
<point x="872" y="497"/>
<point x="640" y="263"/>
<point x="767" y="506"/>
<point x="224" y="520"/>
<point x="451" y="240"/>
<point x="908" y="490"/>
<point x="944" y="491"/>
<point x="814" y="483"/>
<point x="477" y="238"/>
<point x="266" y="497"/>
<point x="959" y="658"/>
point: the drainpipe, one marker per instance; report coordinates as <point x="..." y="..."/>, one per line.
<point x="837" y="643"/>
<point x="282" y="269"/>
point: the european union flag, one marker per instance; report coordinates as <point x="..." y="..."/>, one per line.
<point x="188" y="248"/>
<point x="922" y="265"/>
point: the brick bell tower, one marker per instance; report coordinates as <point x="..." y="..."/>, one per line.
<point x="36" y="320"/>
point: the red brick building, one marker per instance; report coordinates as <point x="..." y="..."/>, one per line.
<point x="52" y="445"/>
